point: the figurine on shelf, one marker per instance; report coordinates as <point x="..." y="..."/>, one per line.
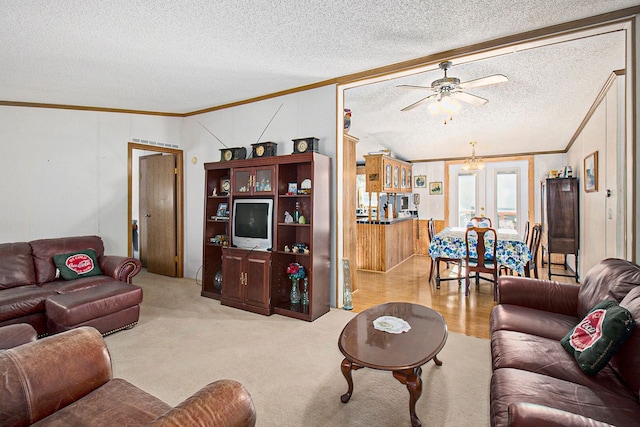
<point x="306" y="251"/>
<point x="295" y="249"/>
<point x="288" y="219"/>
<point x="286" y="248"/>
<point x="214" y="192"/>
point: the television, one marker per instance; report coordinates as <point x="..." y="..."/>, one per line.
<point x="252" y="224"/>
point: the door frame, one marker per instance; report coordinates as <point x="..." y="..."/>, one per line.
<point x="531" y="184"/>
<point x="179" y="198"/>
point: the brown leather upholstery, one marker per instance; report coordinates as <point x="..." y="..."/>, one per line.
<point x="535" y="381"/>
<point x="28" y="279"/>
<point x="15" y="335"/>
<point x="66" y="380"/>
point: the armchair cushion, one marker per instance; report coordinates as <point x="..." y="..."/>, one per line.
<point x="77" y="264"/>
<point x="599" y="335"/>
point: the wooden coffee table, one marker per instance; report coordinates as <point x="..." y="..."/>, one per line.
<point x="363" y="346"/>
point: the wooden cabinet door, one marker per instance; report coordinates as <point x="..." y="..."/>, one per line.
<point x="258" y="273"/>
<point x="254" y="181"/>
<point x="233" y="276"/>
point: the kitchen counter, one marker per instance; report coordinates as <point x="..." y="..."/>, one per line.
<point x="383" y="244"/>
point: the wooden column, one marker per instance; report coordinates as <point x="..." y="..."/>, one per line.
<point x="349" y="205"/>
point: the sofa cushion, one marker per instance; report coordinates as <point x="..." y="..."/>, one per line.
<point x="44" y="250"/>
<point x="116" y="403"/>
<point x="546" y="356"/>
<point x="611" y="278"/>
<point x="597" y="337"/>
<point x="531" y="321"/>
<point x="626" y="361"/>
<point x="22" y="301"/>
<point x="77" y="264"/>
<point x="63" y="286"/>
<point x="514" y="385"/>
<point x="16" y="265"/>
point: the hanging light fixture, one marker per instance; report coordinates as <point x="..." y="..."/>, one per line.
<point x="473" y="162"/>
<point x="445" y="104"/>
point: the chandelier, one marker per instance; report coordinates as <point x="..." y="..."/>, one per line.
<point x="473" y="163"/>
<point x="445" y="104"/>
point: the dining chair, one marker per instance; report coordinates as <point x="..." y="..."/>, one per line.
<point x="480" y="219"/>
<point x="435" y="263"/>
<point x="485" y="262"/>
<point x="534" y="245"/>
<point x="525" y="234"/>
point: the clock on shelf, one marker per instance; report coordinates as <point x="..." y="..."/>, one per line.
<point x="225" y="185"/>
<point x="234" y="153"/>
<point x="305" y="145"/>
<point x="264" y="149"/>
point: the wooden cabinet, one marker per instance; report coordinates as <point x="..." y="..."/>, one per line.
<point x="385" y="174"/>
<point x="253" y="181"/>
<point x="246" y="283"/>
<point x="257" y="280"/>
<point x="560" y="220"/>
<point x="216" y="230"/>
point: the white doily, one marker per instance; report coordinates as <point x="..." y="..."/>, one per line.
<point x="393" y="325"/>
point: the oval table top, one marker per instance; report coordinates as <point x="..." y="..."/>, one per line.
<point x="364" y="345"/>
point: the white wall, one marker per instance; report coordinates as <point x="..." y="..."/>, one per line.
<point x="431" y="206"/>
<point x="64" y="172"/>
<point x="303" y="114"/>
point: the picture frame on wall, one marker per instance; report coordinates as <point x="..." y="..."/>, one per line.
<point x="420" y="181"/>
<point x="591" y="172"/>
<point x="435" y="188"/>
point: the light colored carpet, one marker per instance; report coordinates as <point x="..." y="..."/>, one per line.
<point x="291" y="367"/>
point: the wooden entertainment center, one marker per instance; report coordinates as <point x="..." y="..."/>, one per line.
<point x="256" y="280"/>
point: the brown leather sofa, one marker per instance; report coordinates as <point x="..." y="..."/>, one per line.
<point x="66" y="380"/>
<point x="31" y="293"/>
<point x="535" y="382"/>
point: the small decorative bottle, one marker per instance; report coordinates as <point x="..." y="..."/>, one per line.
<point x="346" y="295"/>
<point x="305" y="292"/>
<point x="294" y="296"/>
<point x="297" y="213"/>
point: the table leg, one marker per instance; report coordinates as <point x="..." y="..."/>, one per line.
<point x="437" y="274"/>
<point x="347" y="366"/>
<point x="411" y="378"/>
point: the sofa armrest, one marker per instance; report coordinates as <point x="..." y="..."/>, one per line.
<point x="547" y="295"/>
<point x="219" y="404"/>
<point x="41" y="377"/>
<point x="120" y="267"/>
<point x="532" y="415"/>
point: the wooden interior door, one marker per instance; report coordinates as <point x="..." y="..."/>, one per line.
<point x="158" y="214"/>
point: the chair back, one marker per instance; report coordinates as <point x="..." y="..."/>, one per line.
<point x="431" y="229"/>
<point x="479" y="219"/>
<point x="536" y="233"/>
<point x="486" y="260"/>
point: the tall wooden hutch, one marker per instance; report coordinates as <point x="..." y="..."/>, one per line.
<point x="257" y="280"/>
<point x="560" y="221"/>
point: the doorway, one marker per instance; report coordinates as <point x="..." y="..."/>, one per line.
<point x="166" y="236"/>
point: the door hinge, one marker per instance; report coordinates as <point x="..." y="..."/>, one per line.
<point x="175" y="171"/>
<point x="175" y="258"/>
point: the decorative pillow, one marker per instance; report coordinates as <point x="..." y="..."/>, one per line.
<point x="77" y="264"/>
<point x="597" y="337"/>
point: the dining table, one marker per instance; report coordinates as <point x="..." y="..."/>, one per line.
<point x="512" y="251"/>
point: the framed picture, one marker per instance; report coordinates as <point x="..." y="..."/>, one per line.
<point x="420" y="181"/>
<point x="293" y="188"/>
<point x="591" y="172"/>
<point x="223" y="210"/>
<point x="435" y="187"/>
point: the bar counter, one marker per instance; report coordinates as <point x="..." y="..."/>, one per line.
<point x="385" y="243"/>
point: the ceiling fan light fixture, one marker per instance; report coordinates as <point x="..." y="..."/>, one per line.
<point x="434" y="108"/>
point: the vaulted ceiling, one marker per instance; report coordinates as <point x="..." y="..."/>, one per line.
<point x="184" y="56"/>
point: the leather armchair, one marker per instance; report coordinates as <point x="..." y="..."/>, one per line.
<point x="66" y="379"/>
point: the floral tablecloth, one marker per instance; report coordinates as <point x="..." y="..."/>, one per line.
<point x="512" y="252"/>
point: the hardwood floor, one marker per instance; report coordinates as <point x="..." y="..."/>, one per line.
<point x="408" y="282"/>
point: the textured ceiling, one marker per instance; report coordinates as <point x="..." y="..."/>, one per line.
<point x="183" y="56"/>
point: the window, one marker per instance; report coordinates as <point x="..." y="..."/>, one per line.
<point x="467" y="200"/>
<point x="507" y="199"/>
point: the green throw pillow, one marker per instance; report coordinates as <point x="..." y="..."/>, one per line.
<point x="599" y="335"/>
<point x="77" y="264"/>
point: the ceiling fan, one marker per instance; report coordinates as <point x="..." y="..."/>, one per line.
<point x="448" y="88"/>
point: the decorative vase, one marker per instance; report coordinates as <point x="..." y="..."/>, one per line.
<point x="305" y="291"/>
<point x="294" y="296"/>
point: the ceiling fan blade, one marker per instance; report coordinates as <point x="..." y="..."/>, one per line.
<point x="413" y="87"/>
<point x="471" y="99"/>
<point x="416" y="104"/>
<point x="484" y="81"/>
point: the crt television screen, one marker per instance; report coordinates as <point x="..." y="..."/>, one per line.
<point x="252" y="220"/>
